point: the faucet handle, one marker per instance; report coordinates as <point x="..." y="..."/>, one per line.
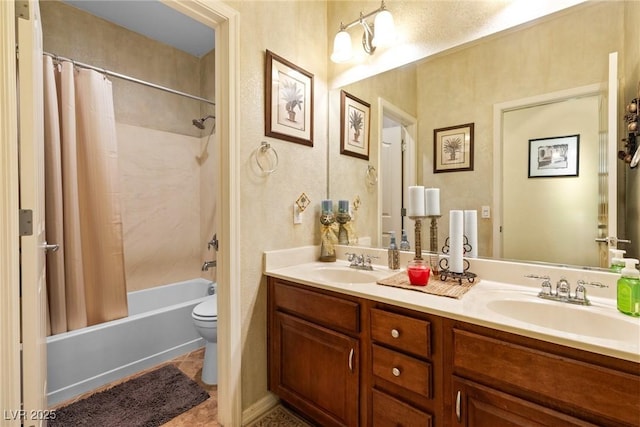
<point x="545" y="288"/>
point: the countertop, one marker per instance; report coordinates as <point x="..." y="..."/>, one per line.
<point x="298" y="264"/>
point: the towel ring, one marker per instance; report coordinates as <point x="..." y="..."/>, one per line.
<point x="271" y="159"/>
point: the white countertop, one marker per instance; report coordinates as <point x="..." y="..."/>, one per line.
<point x="298" y="264"/>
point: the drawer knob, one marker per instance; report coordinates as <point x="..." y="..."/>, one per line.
<point x="395" y="333"/>
<point x="395" y="372"/>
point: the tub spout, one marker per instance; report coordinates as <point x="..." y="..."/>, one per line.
<point x="208" y="264"/>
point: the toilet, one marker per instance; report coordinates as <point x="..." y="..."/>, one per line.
<point x="205" y="319"/>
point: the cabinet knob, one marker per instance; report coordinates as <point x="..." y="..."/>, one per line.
<point x="395" y="372"/>
<point x="395" y="333"/>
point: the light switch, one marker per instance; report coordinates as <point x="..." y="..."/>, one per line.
<point x="486" y="212"/>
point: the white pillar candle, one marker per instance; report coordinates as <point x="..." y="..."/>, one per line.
<point x="416" y="201"/>
<point x="456" y="227"/>
<point x="432" y="201"/>
<point x="471" y="231"/>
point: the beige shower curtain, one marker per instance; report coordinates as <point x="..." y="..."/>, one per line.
<point x="85" y="277"/>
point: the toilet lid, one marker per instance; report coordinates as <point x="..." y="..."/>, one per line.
<point x="207" y="309"/>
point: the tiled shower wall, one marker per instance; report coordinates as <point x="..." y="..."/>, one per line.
<point x="166" y="168"/>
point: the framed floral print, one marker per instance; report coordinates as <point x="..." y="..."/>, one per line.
<point x="289" y="101"/>
<point x="355" y="116"/>
<point x="453" y="148"/>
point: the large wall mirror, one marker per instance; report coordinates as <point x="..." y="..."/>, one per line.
<point x="566" y="53"/>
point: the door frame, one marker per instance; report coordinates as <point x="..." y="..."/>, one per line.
<point x="9" y="230"/>
<point x="226" y="22"/>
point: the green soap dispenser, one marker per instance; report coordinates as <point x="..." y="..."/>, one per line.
<point x="617" y="262"/>
<point x="629" y="288"/>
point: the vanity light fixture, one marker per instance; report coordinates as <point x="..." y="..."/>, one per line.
<point x="380" y="33"/>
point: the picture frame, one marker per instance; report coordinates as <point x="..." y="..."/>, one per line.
<point x="355" y="121"/>
<point x="453" y="148"/>
<point x="557" y="156"/>
<point x="288" y="101"/>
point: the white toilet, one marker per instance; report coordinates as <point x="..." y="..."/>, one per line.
<point x="205" y="318"/>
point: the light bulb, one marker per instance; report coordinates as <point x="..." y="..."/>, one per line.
<point x="342" y="51"/>
<point x="384" y="29"/>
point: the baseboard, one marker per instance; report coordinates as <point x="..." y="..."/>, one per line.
<point x="259" y="408"/>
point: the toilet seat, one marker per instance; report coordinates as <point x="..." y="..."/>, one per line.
<point x="206" y="310"/>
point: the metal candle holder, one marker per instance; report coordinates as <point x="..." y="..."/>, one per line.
<point x="418" y="235"/>
<point x="433" y="229"/>
<point x="444" y="264"/>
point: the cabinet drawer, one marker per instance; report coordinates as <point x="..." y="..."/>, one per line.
<point x="334" y="312"/>
<point x="402" y="332"/>
<point x="400" y="369"/>
<point x="390" y="412"/>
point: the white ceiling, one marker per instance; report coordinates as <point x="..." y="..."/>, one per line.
<point x="154" y="20"/>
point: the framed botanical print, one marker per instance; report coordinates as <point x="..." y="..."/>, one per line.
<point x="453" y="148"/>
<point x="289" y="101"/>
<point x="355" y="118"/>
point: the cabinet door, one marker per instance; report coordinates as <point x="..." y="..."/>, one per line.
<point x="479" y="406"/>
<point x="316" y="370"/>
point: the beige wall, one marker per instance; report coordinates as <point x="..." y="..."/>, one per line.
<point x="166" y="167"/>
<point x="295" y="31"/>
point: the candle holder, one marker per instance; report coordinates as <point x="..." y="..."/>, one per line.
<point x="445" y="273"/>
<point x="433" y="230"/>
<point x="418" y="235"/>
<point x="327" y="251"/>
<point x="342" y="218"/>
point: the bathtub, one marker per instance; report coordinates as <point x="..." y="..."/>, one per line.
<point x="159" y="328"/>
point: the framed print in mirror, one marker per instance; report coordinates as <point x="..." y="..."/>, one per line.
<point x="289" y="101"/>
<point x="453" y="148"/>
<point x="355" y="116"/>
<point x="554" y="156"/>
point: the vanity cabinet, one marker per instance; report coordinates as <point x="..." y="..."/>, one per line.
<point x="314" y="352"/>
<point x="498" y="378"/>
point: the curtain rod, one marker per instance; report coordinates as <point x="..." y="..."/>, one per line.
<point x="125" y="77"/>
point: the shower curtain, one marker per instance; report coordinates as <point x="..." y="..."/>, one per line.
<point x="85" y="277"/>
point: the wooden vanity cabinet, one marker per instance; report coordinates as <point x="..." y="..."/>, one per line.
<point x="314" y="352"/>
<point x="503" y="379"/>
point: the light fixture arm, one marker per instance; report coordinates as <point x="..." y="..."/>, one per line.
<point x="362" y="17"/>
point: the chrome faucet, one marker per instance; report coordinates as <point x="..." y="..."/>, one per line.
<point x="563" y="290"/>
<point x="208" y="264"/>
<point x="359" y="262"/>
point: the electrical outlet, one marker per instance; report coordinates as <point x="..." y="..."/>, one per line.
<point x="486" y="212"/>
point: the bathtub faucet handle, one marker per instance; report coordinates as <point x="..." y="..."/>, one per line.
<point x="213" y="243"/>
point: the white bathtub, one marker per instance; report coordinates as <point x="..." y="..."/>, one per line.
<point x="159" y="328"/>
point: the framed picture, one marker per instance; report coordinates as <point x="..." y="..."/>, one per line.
<point x="453" y="148"/>
<point x="355" y="116"/>
<point x="289" y="101"/>
<point x="555" y="156"/>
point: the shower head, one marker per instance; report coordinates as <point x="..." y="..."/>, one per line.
<point x="199" y="123"/>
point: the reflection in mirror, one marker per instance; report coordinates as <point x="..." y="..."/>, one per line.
<point x="557" y="53"/>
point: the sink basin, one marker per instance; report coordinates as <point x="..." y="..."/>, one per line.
<point x="343" y="275"/>
<point x="587" y="321"/>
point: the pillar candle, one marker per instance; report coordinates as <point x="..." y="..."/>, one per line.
<point x="416" y="201"/>
<point x="432" y="201"/>
<point x="456" y="227"/>
<point x="343" y="206"/>
<point x="327" y="206"/>
<point x="471" y="231"/>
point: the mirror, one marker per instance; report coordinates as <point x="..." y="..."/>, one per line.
<point x="561" y="52"/>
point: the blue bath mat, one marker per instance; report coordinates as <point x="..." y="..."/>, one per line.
<point x="149" y="400"/>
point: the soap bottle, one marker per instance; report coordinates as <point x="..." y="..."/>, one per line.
<point x="628" y="296"/>
<point x="404" y="242"/>
<point x="393" y="253"/>
<point x="617" y="262"/>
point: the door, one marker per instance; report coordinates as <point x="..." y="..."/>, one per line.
<point x="32" y="246"/>
<point x="317" y="370"/>
<point x="391" y="166"/>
